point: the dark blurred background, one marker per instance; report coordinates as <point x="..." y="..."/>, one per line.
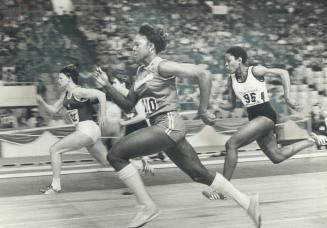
<point x="39" y="37"/>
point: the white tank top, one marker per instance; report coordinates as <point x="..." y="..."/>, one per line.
<point x="252" y="91"/>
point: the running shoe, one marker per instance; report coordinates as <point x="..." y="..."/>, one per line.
<point x="144" y="215"/>
<point x="254" y="211"/>
<point x="50" y="190"/>
<point x="213" y="195"/>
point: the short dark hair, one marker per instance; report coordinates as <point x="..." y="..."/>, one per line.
<point x="237" y="52"/>
<point x="157" y="36"/>
<point x="71" y="72"/>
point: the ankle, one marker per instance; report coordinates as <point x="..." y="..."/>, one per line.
<point x="56" y="185"/>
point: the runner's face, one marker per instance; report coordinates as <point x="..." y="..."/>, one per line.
<point x="63" y="80"/>
<point x="141" y="48"/>
<point x="231" y="64"/>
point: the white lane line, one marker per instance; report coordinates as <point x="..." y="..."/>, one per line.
<point x="241" y="154"/>
<point x="89" y="218"/>
<point x="49" y="173"/>
<point x="44" y="167"/>
<point x="156" y="166"/>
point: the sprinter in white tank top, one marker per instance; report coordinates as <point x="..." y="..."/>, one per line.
<point x="247" y="83"/>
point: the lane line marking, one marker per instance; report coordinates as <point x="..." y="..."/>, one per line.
<point x="89" y="218"/>
<point x="156" y="166"/>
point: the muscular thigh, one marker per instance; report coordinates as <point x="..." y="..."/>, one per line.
<point x="182" y="153"/>
<point x="186" y="158"/>
<point x="98" y="151"/>
<point x="268" y="143"/>
<point x="143" y="142"/>
<point x="252" y="130"/>
<point x="74" y="141"/>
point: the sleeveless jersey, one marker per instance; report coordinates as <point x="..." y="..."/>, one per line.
<point x="158" y="94"/>
<point x="78" y="109"/>
<point x="251" y="92"/>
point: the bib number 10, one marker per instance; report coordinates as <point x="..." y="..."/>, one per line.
<point x="150" y="104"/>
<point x="252" y="97"/>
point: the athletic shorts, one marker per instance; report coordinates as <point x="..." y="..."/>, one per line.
<point x="136" y="126"/>
<point x="171" y="123"/>
<point x="89" y="128"/>
<point x="263" y="109"/>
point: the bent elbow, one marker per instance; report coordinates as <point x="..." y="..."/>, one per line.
<point x="284" y="74"/>
<point x="128" y="108"/>
<point x="203" y="77"/>
<point x="202" y="74"/>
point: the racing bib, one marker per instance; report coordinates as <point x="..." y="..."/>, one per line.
<point x="150" y="104"/>
<point x="252" y="98"/>
<point x="73" y="114"/>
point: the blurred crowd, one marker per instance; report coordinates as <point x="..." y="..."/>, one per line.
<point x="36" y="43"/>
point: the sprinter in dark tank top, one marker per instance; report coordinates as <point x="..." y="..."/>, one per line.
<point x="155" y="84"/>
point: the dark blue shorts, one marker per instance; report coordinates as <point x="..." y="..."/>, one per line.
<point x="136" y="126"/>
<point x="263" y="109"/>
<point x="171" y="123"/>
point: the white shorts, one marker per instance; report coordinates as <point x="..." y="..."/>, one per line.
<point x="90" y="128"/>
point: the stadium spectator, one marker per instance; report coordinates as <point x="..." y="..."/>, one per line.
<point x="8" y="120"/>
<point x="319" y="123"/>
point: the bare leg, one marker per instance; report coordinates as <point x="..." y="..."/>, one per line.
<point x="99" y="152"/>
<point x="142" y="142"/>
<point x="247" y="134"/>
<point x="269" y="146"/>
<point x="71" y="142"/>
<point x="185" y="157"/>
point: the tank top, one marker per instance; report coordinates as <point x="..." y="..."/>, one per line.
<point x="78" y="109"/>
<point x="252" y="91"/>
<point x="158" y="94"/>
<point x="319" y="125"/>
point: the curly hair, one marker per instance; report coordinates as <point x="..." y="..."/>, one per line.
<point x="237" y="52"/>
<point x="157" y="36"/>
<point x="71" y="72"/>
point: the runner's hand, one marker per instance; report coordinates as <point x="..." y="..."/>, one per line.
<point x="207" y="118"/>
<point x="293" y="104"/>
<point x="101" y="77"/>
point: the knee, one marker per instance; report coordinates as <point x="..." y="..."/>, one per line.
<point x="231" y="149"/>
<point x="277" y="157"/>
<point x="54" y="150"/>
<point x="115" y="154"/>
<point x="231" y="145"/>
<point x="111" y="157"/>
<point x="276" y="160"/>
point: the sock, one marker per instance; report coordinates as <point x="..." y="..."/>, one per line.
<point x="221" y="184"/>
<point x="130" y="176"/>
<point x="56" y="183"/>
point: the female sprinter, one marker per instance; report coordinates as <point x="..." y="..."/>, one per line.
<point x="78" y="102"/>
<point x="155" y="84"/>
<point x="247" y="83"/>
